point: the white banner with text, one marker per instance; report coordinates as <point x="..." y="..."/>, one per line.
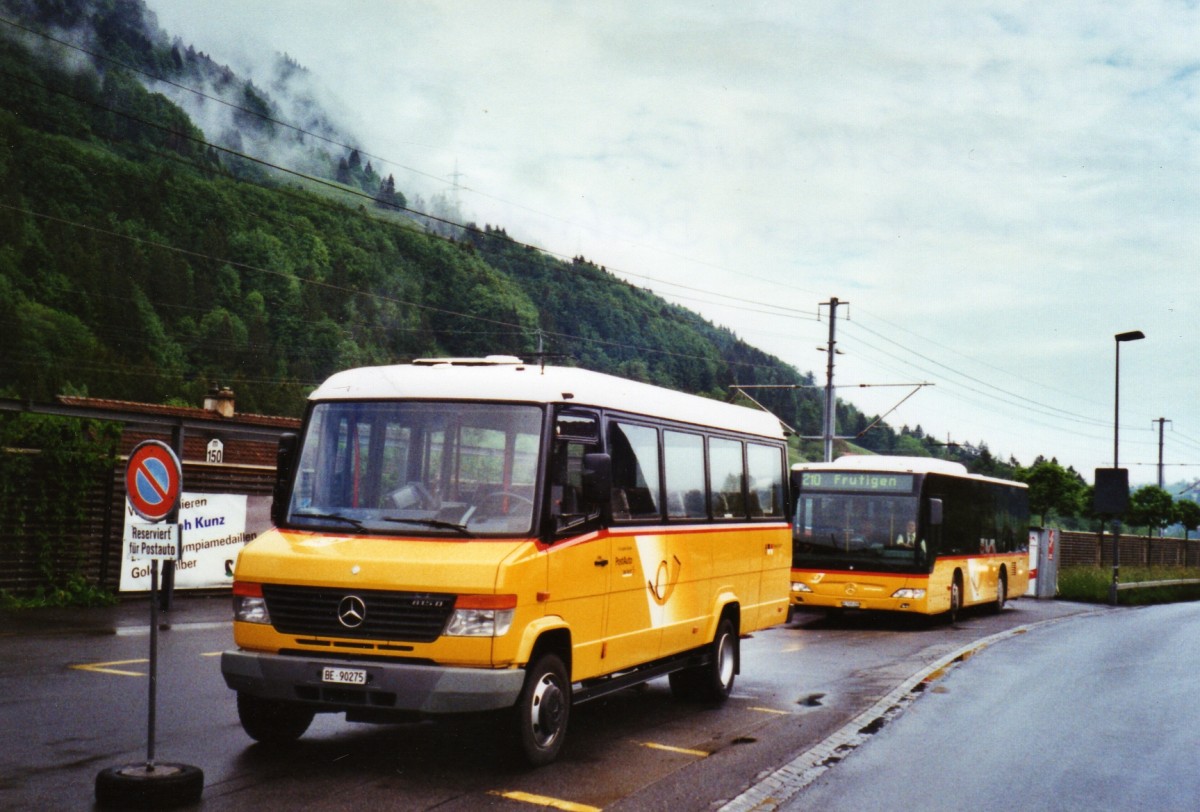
<point x="214" y="527"/>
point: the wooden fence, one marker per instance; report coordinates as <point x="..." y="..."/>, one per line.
<point x="1095" y="549"/>
<point x="94" y="548"/>
<point x="220" y="454"/>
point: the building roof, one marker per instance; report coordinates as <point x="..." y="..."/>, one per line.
<point x="127" y="407"/>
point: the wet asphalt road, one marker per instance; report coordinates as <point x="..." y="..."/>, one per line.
<point x="74" y="701"/>
<point x="1099" y="712"/>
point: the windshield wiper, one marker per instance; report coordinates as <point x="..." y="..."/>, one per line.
<point x="436" y="523"/>
<point x="337" y="517"/>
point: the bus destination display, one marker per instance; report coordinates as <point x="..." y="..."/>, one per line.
<point x="864" y="482"/>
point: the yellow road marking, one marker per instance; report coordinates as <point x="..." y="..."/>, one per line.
<point x="772" y="710"/>
<point x="210" y="654"/>
<point x="542" y="800"/>
<point x="105" y="668"/>
<point x="669" y="748"/>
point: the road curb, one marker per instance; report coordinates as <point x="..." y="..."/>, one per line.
<point x="778" y="787"/>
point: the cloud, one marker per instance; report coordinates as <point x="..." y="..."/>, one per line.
<point x="1011" y="184"/>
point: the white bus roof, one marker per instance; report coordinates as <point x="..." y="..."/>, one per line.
<point x="509" y="380"/>
<point x="897" y="465"/>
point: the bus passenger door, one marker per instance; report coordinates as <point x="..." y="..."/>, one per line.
<point x="643" y="578"/>
<point x="580" y="555"/>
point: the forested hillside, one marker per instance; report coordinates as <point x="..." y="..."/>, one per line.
<point x="141" y="261"/>
<point x="145" y="258"/>
<point x="167" y="226"/>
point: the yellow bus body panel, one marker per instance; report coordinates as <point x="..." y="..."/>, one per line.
<point x="627" y="596"/>
<point x="441" y="565"/>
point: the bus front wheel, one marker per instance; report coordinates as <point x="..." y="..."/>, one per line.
<point x="272" y="721"/>
<point x="955" y="599"/>
<point x="543" y="709"/>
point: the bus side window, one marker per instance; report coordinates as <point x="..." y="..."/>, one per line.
<point x="635" y="471"/>
<point x="765" y="466"/>
<point x="576" y="435"/>
<point x="726" y="478"/>
<point x="683" y="464"/>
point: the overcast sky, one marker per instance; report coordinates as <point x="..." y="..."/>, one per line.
<point x="995" y="188"/>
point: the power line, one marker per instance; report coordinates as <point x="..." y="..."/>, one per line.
<point x="1046" y="408"/>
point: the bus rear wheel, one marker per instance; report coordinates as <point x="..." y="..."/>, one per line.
<point x="712" y="682"/>
<point x="1001" y="592"/>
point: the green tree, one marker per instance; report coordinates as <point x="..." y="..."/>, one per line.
<point x="907" y="445"/>
<point x="1187" y="513"/>
<point x="1053" y="488"/>
<point x="1151" y="507"/>
<point x="387" y="197"/>
<point x="66" y="457"/>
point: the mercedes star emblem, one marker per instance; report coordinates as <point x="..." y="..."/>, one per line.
<point x="352" y="612"/>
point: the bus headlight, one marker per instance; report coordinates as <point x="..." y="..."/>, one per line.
<point x="799" y="586"/>
<point x="481" y="616"/>
<point x="249" y="605"/>
<point x="909" y="593"/>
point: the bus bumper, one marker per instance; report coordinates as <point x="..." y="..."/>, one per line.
<point x="811" y="600"/>
<point x="403" y="687"/>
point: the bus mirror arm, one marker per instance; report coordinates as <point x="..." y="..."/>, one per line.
<point x="285" y="460"/>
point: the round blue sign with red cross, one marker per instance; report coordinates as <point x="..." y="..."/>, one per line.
<point x="153" y="480"/>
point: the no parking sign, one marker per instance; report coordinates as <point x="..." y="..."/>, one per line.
<point x="153" y="480"/>
<point x="153" y="484"/>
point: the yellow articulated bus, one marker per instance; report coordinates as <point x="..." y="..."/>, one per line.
<point x="474" y="535"/>
<point x="906" y="534"/>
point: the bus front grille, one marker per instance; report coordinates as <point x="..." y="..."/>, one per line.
<point x="414" y="617"/>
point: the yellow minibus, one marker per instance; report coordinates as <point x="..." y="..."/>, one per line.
<point x="478" y="535"/>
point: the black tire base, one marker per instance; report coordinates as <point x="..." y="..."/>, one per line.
<point x="142" y="786"/>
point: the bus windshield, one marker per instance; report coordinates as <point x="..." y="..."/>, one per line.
<point x="403" y="467"/>
<point x="849" y="528"/>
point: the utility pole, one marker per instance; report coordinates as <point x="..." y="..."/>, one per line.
<point x="1160" y="421"/>
<point x="830" y="403"/>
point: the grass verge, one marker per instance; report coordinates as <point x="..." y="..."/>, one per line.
<point x="1091" y="585"/>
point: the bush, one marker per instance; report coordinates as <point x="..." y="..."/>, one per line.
<point x="47" y="464"/>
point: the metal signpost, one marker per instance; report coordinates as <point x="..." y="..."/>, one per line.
<point x="153" y="483"/>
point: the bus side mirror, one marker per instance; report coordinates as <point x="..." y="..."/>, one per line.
<point x="935" y="511"/>
<point x="285" y="461"/>
<point x="597" y="478"/>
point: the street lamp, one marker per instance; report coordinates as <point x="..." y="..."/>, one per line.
<point x="1132" y="335"/>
